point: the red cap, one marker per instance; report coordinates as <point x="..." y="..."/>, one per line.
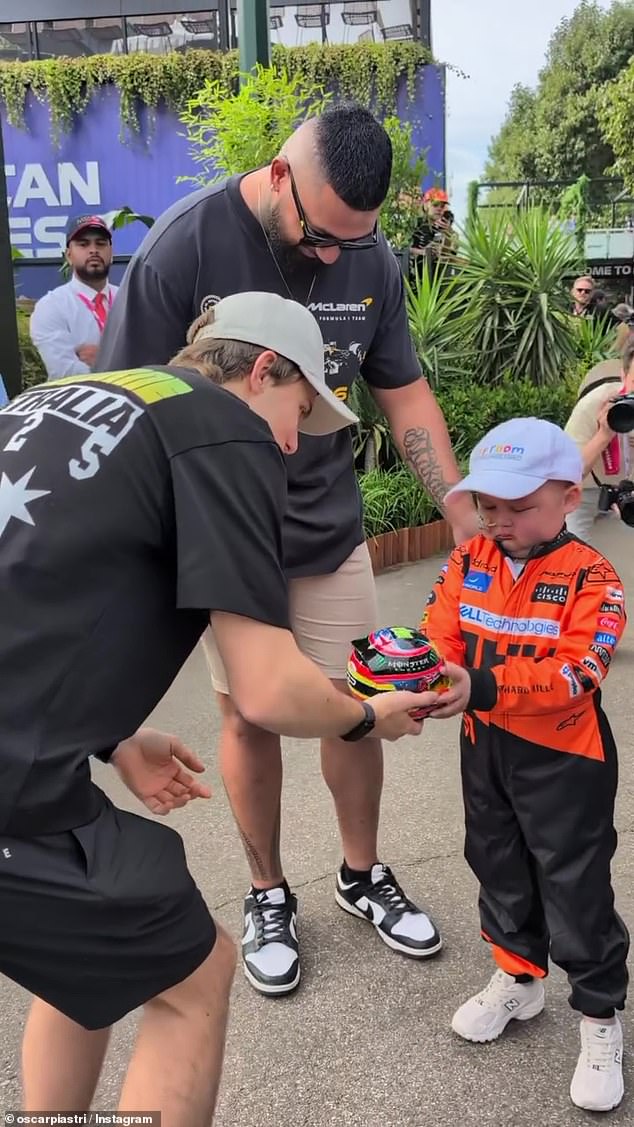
<point x="86" y="223"/>
<point x="435" y="195"/>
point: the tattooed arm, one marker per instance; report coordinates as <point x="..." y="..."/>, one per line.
<point x="420" y="432"/>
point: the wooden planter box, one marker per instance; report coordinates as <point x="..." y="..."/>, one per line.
<point x="408" y="545"/>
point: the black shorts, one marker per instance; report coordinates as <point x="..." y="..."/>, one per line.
<point x="102" y="918"/>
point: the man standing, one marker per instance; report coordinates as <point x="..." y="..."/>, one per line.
<point x="583" y="290"/>
<point x="67" y="323"/>
<point x="132" y="509"/>
<point x="306" y="226"/>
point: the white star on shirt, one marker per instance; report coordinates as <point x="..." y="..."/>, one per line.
<point x="14" y="498"/>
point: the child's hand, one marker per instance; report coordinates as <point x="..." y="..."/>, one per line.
<point x="457" y="698"/>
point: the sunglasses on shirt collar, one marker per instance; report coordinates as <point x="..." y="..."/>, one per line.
<point x="314" y="238"/>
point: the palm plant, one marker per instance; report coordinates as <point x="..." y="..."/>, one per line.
<point x="438" y="310"/>
<point x="373" y="444"/>
<point x="515" y="271"/>
<point x="595" y="340"/>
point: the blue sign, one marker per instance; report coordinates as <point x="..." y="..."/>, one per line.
<point x="93" y="170"/>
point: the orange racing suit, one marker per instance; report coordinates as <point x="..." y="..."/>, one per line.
<point x="538" y="760"/>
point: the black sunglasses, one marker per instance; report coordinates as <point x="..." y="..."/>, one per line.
<point x="313" y="238"/>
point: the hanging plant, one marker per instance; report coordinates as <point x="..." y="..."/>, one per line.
<point x="365" y="72"/>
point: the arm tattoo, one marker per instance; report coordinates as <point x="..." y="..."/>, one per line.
<point x="422" y="460"/>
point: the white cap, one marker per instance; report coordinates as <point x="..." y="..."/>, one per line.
<point x="518" y="457"/>
<point x="288" y="328"/>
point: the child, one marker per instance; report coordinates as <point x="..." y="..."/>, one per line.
<point x="528" y="618"/>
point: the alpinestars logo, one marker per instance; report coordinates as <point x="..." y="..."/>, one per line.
<point x="341" y="310"/>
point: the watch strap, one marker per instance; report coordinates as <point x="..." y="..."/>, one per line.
<point x="364" y="727"/>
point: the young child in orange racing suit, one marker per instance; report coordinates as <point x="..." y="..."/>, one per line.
<point x="528" y="618"/>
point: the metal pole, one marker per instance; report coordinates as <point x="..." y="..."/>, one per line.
<point x="421" y="10"/>
<point x="10" y="361"/>
<point x="254" y="34"/>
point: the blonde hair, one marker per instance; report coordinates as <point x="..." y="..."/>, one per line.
<point x="225" y="360"/>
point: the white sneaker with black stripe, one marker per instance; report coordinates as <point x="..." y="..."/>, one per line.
<point x="486" y="1015"/>
<point x="270" y="951"/>
<point x="381" y="900"/>
<point x="597" y="1084"/>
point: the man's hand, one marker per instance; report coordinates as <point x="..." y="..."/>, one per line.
<point x="457" y="698"/>
<point x="153" y="766"/>
<point x="393" y="713"/>
<point x="87" y="353"/>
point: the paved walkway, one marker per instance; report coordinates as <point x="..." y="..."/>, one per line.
<point x="366" y="1041"/>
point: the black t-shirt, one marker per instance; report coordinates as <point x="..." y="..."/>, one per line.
<point x="131" y="506"/>
<point x="210" y="245"/>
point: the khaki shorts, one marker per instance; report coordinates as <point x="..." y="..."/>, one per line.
<point x="327" y="613"/>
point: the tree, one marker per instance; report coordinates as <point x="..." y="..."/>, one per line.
<point x="616" y="113"/>
<point x="557" y="131"/>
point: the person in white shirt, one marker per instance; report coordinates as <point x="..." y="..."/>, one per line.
<point x="588" y="427"/>
<point x="67" y="323"/>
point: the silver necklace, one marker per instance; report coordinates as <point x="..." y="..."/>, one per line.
<point x="273" y="256"/>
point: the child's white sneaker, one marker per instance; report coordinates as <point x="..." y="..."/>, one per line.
<point x="597" y="1084"/>
<point x="488" y="1013"/>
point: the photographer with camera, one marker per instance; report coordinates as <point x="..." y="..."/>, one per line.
<point x="434" y="238"/>
<point x="602" y="425"/>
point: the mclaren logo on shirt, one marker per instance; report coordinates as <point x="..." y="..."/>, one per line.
<point x="500" y="624"/>
<point x="341" y="310"/>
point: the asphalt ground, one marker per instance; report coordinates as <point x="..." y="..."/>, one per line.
<point x="366" y="1039"/>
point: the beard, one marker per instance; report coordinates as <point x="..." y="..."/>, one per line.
<point x="96" y="272"/>
<point x="290" y="256"/>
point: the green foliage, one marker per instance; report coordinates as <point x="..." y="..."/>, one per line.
<point x="510" y="154"/>
<point x="471" y="409"/>
<point x="616" y="114"/>
<point x="373" y="443"/>
<point x="558" y="130"/>
<point x="575" y="204"/>
<point x="246" y="130"/>
<point x="33" y="370"/>
<point x="393" y="499"/>
<point x="472" y="200"/>
<point x="361" y="71"/>
<point x="438" y="307"/>
<point x="595" y="340"/>
<point x="402" y="207"/>
<point x="518" y="319"/>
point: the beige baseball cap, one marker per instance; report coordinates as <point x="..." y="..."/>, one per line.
<point x="288" y="328"/>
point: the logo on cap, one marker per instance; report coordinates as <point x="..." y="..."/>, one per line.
<point x="501" y="450"/>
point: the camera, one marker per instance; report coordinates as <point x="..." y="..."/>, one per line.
<point x="448" y="216"/>
<point x="621" y="414"/>
<point x="621" y="495"/>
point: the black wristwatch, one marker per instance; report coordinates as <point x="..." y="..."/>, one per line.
<point x="364" y="727"/>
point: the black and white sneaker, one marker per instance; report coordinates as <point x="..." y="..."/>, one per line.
<point x="270" y="951"/>
<point x="381" y="900"/>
